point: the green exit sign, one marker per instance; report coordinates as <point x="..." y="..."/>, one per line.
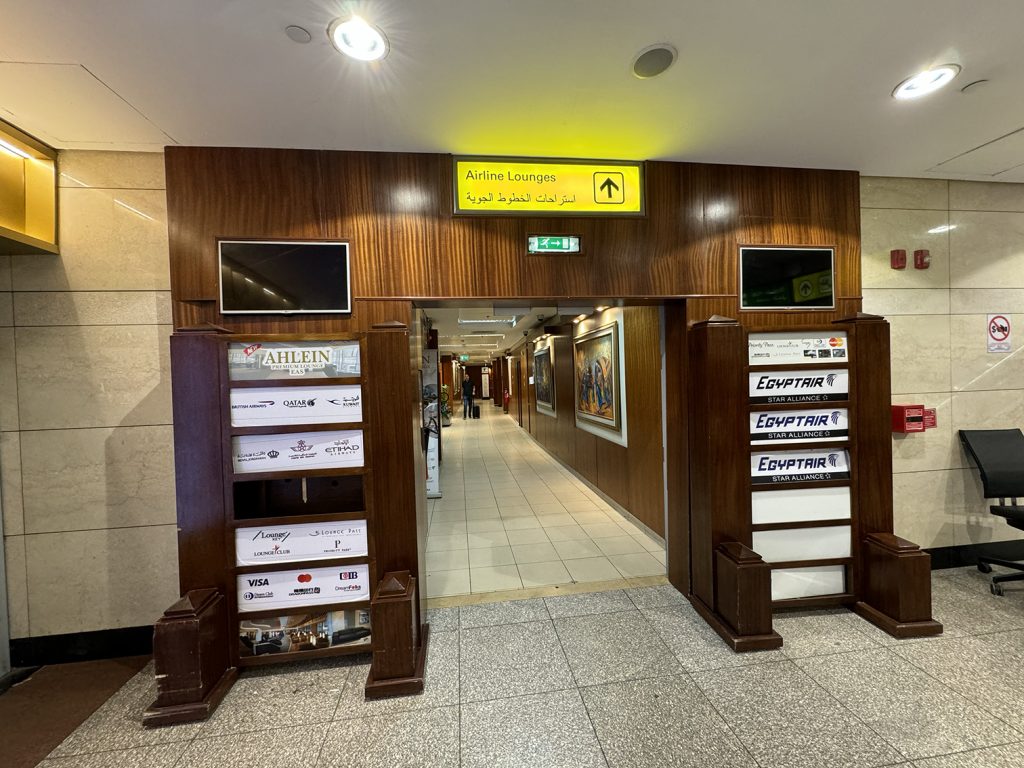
<point x="463" y="358"/>
<point x="552" y="244"/>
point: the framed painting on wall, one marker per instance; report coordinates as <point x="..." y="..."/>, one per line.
<point x="544" y="379"/>
<point x="596" y="366"/>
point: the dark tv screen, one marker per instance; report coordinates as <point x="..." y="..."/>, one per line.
<point x="278" y="277"/>
<point x="786" y="278"/>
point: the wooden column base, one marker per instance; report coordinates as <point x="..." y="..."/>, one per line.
<point x="190" y="651"/>
<point x="742" y="615"/>
<point x="175" y="714"/>
<point x="402" y="686"/>
<point x="897" y="591"/>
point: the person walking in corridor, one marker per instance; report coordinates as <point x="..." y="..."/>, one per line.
<point x="467" y="396"/>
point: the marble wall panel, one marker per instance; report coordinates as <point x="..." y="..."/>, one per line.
<point x="920" y="353"/>
<point x="917" y="194"/>
<point x="93" y="376"/>
<point x="985" y="196"/>
<point x="80" y="581"/>
<point x="10" y="483"/>
<point x="110" y="240"/>
<point x="76" y="479"/>
<point x="42" y="308"/>
<point x="883" y="230"/>
<point x="111" y="170"/>
<point x="987" y="250"/>
<point x="17" y="586"/>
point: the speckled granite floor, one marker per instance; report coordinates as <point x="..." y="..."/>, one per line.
<point x="624" y="679"/>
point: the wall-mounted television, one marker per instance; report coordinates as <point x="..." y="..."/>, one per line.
<point x="786" y="277"/>
<point x="284" y="277"/>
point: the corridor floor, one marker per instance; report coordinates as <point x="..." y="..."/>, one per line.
<point x="513" y="518"/>
<point x="618" y="679"/>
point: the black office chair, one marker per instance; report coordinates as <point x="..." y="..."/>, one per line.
<point x="999" y="454"/>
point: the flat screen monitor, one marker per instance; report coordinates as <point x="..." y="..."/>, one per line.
<point x="786" y="278"/>
<point x="284" y="277"/>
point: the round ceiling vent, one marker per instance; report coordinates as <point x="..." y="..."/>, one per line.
<point x="297" y="34"/>
<point x="654" y="60"/>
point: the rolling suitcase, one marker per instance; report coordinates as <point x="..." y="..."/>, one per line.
<point x="476" y="411"/>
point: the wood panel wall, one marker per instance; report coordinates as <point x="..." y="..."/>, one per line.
<point x="632" y="475"/>
<point x="395" y="210"/>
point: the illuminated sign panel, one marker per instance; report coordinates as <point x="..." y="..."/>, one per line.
<point x="497" y="186"/>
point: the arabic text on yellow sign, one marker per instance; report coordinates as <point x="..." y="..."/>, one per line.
<point x="517" y="187"/>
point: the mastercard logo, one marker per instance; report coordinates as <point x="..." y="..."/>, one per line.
<point x="305" y="578"/>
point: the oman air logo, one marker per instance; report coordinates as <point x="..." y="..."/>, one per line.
<point x="831" y="379"/>
<point x="835" y="417"/>
<point x="833" y="459"/>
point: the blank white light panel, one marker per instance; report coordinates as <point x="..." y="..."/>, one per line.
<point x="803" y="543"/>
<point x="796" y="506"/>
<point x="788" y="583"/>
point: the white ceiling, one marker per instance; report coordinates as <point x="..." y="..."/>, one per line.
<point x="484" y="341"/>
<point x="785" y="82"/>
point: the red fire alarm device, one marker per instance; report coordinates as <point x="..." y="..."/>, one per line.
<point x="907" y="418"/>
<point x="922" y="259"/>
<point x="898" y="259"/>
<point x="931" y="421"/>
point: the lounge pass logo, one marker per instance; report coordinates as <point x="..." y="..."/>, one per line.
<point x="798" y="387"/>
<point x="799" y="467"/>
<point x="817" y="424"/>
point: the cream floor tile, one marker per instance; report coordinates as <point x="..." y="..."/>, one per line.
<point x="491" y="556"/>
<point x="520" y="523"/>
<point x="534" y="553"/>
<point x="566" y="533"/>
<point x="447" y="560"/>
<point x="449" y="516"/>
<point x="591" y="517"/>
<point x="527" y="536"/>
<point x="543" y="574"/>
<point x="441" y="543"/>
<point x="507" y="512"/>
<point x="573" y="549"/>
<point x="592" y="569"/>
<point x="602" y="530"/>
<point x="482" y="514"/>
<point x="495" y="578"/>
<point x="445" y="583"/>
<point x="556" y="521"/>
<point x="619" y="545"/>
<point x="640" y="564"/>
<point x="650" y="544"/>
<point x="446" y="529"/>
<point x="488" y="539"/>
<point x="485" y="526"/>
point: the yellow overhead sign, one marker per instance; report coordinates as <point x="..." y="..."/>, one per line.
<point x="559" y="187"/>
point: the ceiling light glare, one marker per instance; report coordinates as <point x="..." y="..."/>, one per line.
<point x="941" y="228"/>
<point x="6" y="146"/>
<point x="358" y="38"/>
<point x="926" y="82"/>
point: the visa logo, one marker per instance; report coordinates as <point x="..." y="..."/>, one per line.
<point x="259" y="582"/>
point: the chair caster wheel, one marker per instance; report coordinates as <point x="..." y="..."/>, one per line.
<point x="984" y="567"/>
<point x="997" y="589"/>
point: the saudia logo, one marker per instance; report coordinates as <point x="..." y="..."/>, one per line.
<point x="300" y="403"/>
<point x="277" y="536"/>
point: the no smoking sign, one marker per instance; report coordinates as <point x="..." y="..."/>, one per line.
<point x="999" y="333"/>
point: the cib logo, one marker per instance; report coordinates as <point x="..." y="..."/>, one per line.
<point x="346" y="575"/>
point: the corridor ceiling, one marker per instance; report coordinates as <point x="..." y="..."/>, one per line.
<point x="801" y="83"/>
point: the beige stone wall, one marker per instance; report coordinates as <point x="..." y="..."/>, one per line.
<point x="939" y="357"/>
<point x="86" y="457"/>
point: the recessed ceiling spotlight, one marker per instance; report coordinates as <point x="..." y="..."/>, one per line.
<point x="926" y="82"/>
<point x="358" y="38"/>
<point x="653" y="60"/>
<point x="297" y="34"/>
